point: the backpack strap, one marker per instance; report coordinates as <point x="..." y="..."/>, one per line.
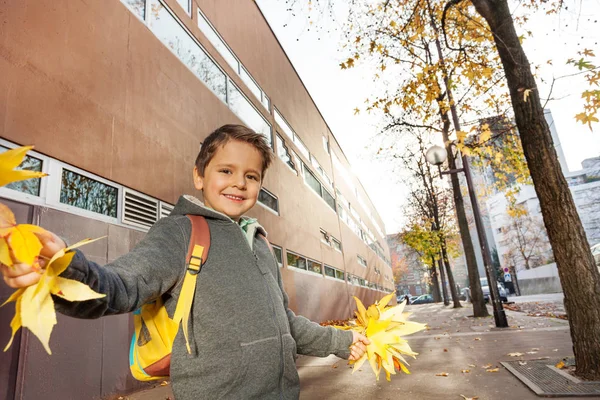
<point x="196" y="257"/>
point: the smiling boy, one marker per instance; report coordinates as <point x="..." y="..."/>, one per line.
<point x="244" y="335"/>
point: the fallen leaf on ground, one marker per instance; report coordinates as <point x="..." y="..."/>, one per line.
<point x="472" y="365"/>
<point x="465" y="371"/>
<point x="560" y="365"/>
<point x="532" y="352"/>
<point x="164" y="383"/>
<point x="477" y="338"/>
<point x="487" y="366"/>
<point x="522" y="363"/>
<point x="535" y="349"/>
<point x="514" y="354"/>
<point x="492" y="370"/>
<point x="469" y="398"/>
<point x="442" y="374"/>
<point x="445" y="350"/>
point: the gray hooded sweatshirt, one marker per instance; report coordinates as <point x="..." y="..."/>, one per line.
<point x="244" y="336"/>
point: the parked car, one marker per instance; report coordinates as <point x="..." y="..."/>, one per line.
<point x="465" y="294"/>
<point x="596" y="253"/>
<point x="423" y="299"/>
<point x="486" y="290"/>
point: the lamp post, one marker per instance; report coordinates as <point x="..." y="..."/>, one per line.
<point x="436" y="155"/>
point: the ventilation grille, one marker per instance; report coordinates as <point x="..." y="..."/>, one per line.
<point x="165" y="209"/>
<point x="139" y="210"/>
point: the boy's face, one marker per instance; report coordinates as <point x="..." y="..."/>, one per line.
<point x="232" y="179"/>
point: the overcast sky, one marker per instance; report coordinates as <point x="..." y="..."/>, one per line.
<point x="316" y="57"/>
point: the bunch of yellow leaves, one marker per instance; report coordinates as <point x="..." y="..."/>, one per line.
<point x="19" y="238"/>
<point x="18" y="243"/>
<point x="384" y="326"/>
<point x="34" y="307"/>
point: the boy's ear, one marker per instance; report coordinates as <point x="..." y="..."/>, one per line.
<point x="198" y="181"/>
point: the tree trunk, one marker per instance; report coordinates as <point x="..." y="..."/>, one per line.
<point x="475" y="292"/>
<point x="435" y="285"/>
<point x="443" y="279"/>
<point x="578" y="274"/>
<point x="453" y="290"/>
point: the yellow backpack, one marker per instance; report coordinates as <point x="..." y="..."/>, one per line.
<point x="154" y="331"/>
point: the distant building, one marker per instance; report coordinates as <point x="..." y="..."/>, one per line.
<point x="415" y="280"/>
<point x="585" y="189"/>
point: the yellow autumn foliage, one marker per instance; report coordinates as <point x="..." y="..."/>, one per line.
<point x="385" y="327"/>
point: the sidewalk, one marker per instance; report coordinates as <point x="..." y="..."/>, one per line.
<point x="453" y="343"/>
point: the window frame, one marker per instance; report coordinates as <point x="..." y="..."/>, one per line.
<point x="276" y="212"/>
<point x="280" y="264"/>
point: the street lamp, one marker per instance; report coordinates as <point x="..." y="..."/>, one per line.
<point x="436" y="155"/>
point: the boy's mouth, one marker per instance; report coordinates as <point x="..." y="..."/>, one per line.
<point x="231" y="197"/>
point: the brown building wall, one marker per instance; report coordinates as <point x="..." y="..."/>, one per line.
<point x="89" y="84"/>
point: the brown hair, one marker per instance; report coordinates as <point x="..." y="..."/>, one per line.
<point x="224" y="134"/>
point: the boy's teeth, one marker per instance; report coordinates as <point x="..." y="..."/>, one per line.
<point x="233" y="197"/>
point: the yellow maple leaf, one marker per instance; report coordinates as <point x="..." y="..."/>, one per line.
<point x="20" y="239"/>
<point x="384" y="326"/>
<point x="11" y="159"/>
<point x="34" y="308"/>
<point x="585" y="118"/>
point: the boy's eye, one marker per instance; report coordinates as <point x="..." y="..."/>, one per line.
<point x="225" y="171"/>
<point x="254" y="177"/>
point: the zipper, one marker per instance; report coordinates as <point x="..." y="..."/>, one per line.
<point x="274" y="314"/>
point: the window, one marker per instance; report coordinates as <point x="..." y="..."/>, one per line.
<point x="301" y="146"/>
<point x="185" y="4"/>
<point x="287" y="129"/>
<point x="174" y="36"/>
<point x="342" y="199"/>
<point x="283" y="153"/>
<point x="86" y="193"/>
<point x="296" y="261"/>
<point x="249" y="81"/>
<point x="361" y="261"/>
<point x="320" y="171"/>
<point x="215" y="39"/>
<point x="267" y="199"/>
<point x="324" y="237"/>
<point x="334" y="272"/>
<point x="29" y="186"/>
<point x="328" y="199"/>
<point x="242" y="107"/>
<point x="138" y="7"/>
<point x="217" y="42"/>
<point x="315" y="267"/>
<point x="312" y="181"/>
<point x="326" y="144"/>
<point x="278" y="254"/>
<point x="336" y="244"/>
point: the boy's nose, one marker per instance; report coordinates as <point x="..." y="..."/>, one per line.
<point x="240" y="181"/>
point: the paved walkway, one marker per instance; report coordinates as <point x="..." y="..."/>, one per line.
<point x="454" y="342"/>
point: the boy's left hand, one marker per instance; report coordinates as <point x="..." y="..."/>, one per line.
<point x="359" y="346"/>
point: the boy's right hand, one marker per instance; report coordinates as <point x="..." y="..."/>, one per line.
<point x="23" y="275"/>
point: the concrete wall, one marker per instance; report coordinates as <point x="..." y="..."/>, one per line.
<point x="543" y="279"/>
